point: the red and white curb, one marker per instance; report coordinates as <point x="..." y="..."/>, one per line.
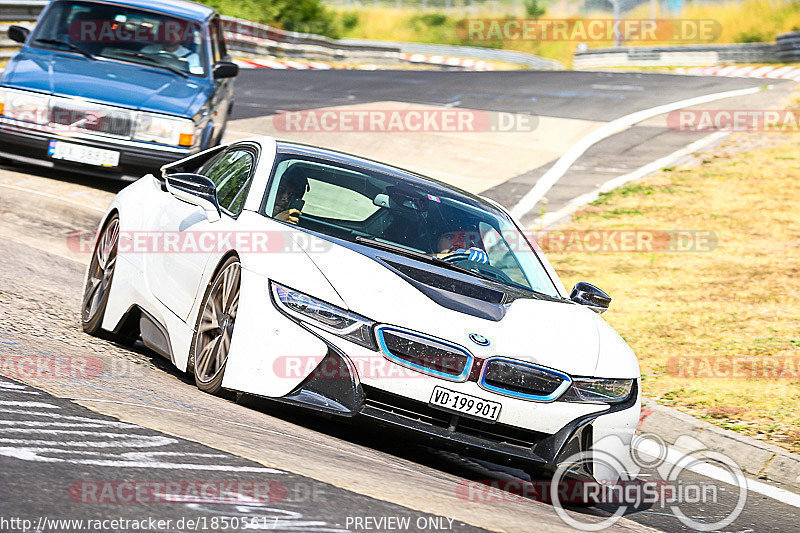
<point x="750" y="71"/>
<point x="465" y="63"/>
<point x="282" y="64"/>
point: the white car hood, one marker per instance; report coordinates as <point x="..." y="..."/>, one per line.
<point x="558" y="335"/>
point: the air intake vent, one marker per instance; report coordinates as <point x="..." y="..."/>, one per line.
<point x="425" y="354"/>
<point x="449" y="284"/>
<point x="523" y="380"/>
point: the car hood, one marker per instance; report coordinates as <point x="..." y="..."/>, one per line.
<point x="556" y="334"/>
<point x="109" y="82"/>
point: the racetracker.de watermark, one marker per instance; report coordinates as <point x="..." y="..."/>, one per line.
<point x="590" y="30"/>
<point x="193" y="242"/>
<point x="625" y="240"/>
<point x="634" y="492"/>
<point x="734" y="367"/>
<point x="737" y="120"/>
<point x="403" y="120"/>
<point x="171" y="491"/>
<point x="568" y="241"/>
<point x="20" y="362"/>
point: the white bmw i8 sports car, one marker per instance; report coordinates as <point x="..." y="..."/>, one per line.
<point x="352" y="287"/>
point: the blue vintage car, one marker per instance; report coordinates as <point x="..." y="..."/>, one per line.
<point x="116" y="88"/>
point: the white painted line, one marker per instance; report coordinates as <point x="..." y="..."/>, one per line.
<point x="52" y="196"/>
<point x="561" y="166"/>
<point x="580" y="201"/>
<point x="31" y="404"/>
<point x="8" y="384"/>
<point x="100" y="424"/>
<point x="653" y="449"/>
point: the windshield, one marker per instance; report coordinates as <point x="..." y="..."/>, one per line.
<point x="371" y="207"/>
<point x="124" y="34"/>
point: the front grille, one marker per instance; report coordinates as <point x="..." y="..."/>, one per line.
<point x="421" y="413"/>
<point x="523" y="380"/>
<point x="92" y="119"/>
<point x="425" y="354"/>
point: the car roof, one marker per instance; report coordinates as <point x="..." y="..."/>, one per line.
<point x="177" y="8"/>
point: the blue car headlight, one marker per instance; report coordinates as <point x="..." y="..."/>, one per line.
<point x="325" y="316"/>
<point x="598" y="390"/>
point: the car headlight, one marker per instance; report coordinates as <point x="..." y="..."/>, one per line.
<point x="25" y="106"/>
<point x="164" y="130"/>
<point x="325" y="316"/>
<point x="598" y="390"/>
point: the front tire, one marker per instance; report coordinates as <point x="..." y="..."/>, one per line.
<point x="214" y="328"/>
<point x="99" y="278"/>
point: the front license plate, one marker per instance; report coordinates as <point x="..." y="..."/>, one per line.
<point x="465" y="403"/>
<point x="83" y="154"/>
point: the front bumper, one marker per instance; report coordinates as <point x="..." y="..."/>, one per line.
<point x="500" y="443"/>
<point x="136" y="159"/>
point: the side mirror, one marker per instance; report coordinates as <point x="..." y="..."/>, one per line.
<point x="225" y="69"/>
<point x="197" y="190"/>
<point x="18" y="34"/>
<point x="587" y="294"/>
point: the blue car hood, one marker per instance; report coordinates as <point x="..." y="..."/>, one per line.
<point x="110" y="82"/>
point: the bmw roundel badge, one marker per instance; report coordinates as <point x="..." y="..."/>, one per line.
<point x="480" y="340"/>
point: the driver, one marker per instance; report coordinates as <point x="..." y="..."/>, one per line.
<point x="170" y="44"/>
<point x="289" y="199"/>
<point x="461" y="245"/>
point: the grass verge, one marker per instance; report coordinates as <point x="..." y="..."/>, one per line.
<point x="739" y="22"/>
<point x="688" y="314"/>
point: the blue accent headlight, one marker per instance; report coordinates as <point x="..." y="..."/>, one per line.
<point x="598" y="390"/>
<point x="323" y="315"/>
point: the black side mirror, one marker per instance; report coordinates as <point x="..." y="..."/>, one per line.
<point x="197" y="190"/>
<point x="225" y="69"/>
<point x="18" y="34"/>
<point x="587" y="294"/>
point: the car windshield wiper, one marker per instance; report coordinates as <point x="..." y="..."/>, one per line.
<point x="429" y="258"/>
<point x="68" y="44"/>
<point x="152" y="60"/>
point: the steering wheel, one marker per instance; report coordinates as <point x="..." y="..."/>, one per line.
<point x="483" y="268"/>
<point x="453" y="258"/>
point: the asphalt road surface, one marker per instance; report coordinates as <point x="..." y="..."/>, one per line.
<point x="76" y="446"/>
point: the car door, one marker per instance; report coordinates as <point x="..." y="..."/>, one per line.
<point x="188" y="240"/>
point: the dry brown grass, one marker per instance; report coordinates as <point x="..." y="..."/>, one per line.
<point x="741" y="299"/>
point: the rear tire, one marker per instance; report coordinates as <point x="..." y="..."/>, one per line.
<point x="214" y="329"/>
<point x="99" y="278"/>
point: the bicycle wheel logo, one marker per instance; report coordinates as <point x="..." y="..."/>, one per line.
<point x="671" y="482"/>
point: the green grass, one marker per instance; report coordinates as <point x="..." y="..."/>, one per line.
<point x="739" y="299"/>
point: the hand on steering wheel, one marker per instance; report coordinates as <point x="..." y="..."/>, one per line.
<point x="291" y="216"/>
<point x="473" y="254"/>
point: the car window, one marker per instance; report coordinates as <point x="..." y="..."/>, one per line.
<point x="363" y="205"/>
<point x="217" y="44"/>
<point x="332" y="201"/>
<point x="230" y="172"/>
